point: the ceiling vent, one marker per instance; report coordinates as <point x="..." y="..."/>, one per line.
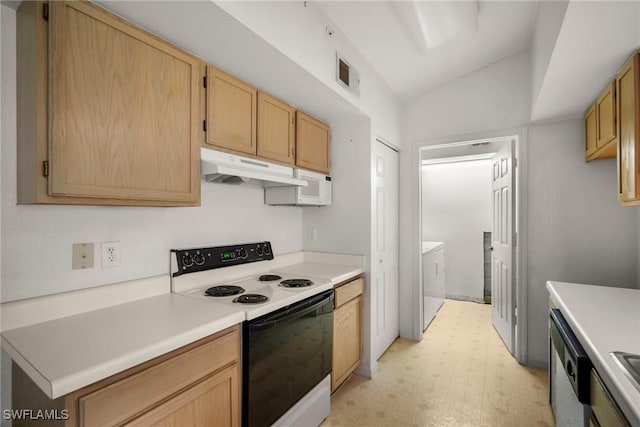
<point x="347" y="76"/>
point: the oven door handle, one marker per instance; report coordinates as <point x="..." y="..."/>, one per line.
<point x="293" y="312"/>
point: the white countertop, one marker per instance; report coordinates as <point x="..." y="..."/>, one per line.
<point x="66" y="354"/>
<point x="604" y="319"/>
<point x="429" y="246"/>
<point x="67" y="341"/>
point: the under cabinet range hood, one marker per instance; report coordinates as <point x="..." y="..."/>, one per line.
<point x="216" y="166"/>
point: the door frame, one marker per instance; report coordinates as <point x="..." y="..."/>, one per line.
<point x="520" y="286"/>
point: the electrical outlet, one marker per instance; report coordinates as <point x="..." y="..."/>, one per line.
<point x="81" y="256"/>
<point x="110" y="254"/>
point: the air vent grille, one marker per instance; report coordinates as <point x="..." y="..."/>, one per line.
<point x="347" y="76"/>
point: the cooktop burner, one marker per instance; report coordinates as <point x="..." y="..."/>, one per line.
<point x="296" y="283"/>
<point x="223" y="291"/>
<point x="269" y="277"/>
<point x="251" y="299"/>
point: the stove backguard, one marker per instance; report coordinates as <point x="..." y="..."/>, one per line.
<point x="201" y="259"/>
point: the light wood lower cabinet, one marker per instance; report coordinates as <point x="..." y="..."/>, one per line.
<point x="208" y="403"/>
<point x="605" y="411"/>
<point x="198" y="384"/>
<point x="108" y="114"/>
<point x="347" y="331"/>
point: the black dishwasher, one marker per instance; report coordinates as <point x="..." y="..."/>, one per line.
<point x="286" y="353"/>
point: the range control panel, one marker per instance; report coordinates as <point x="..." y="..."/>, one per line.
<point x="200" y="259"/>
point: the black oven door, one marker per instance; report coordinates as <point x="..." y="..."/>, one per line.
<point x="286" y="353"/>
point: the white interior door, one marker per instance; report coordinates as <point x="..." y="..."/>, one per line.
<point x="385" y="321"/>
<point x="502" y="243"/>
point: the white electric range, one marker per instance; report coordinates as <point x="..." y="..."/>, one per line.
<point x="287" y="334"/>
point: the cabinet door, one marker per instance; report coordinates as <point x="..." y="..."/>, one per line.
<point x="312" y="143"/>
<point x="591" y="137"/>
<point x="628" y="87"/>
<point x="276" y="130"/>
<point x="231" y="112"/>
<point x="214" y="401"/>
<point x="606" y="117"/>
<point x="124" y="109"/>
<point x="347" y="326"/>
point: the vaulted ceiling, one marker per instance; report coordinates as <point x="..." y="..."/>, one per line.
<point x="389" y="35"/>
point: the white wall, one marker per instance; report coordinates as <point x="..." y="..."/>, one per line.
<point x="490" y="99"/>
<point x="36" y="240"/>
<point x="494" y="97"/>
<point x="456" y="210"/>
<point x="549" y="19"/>
<point x="345" y="225"/>
<point x="577" y="230"/>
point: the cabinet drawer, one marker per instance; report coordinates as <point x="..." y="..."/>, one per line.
<point x="121" y="400"/>
<point x="349" y="291"/>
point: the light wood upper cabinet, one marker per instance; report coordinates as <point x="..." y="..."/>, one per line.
<point x="231" y="112"/>
<point x="628" y="87"/>
<point x="590" y="132"/>
<point x="108" y="113"/>
<point x="601" y="126"/>
<point x="243" y="120"/>
<point x="347" y="331"/>
<point x="276" y="130"/>
<point x="313" y="150"/>
<point x="606" y="115"/>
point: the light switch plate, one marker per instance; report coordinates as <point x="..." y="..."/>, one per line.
<point x="81" y="256"/>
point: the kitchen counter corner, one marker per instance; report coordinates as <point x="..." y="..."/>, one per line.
<point x="66" y="354"/>
<point x="604" y="319"/>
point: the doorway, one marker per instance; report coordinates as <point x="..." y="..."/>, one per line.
<point x="495" y="213"/>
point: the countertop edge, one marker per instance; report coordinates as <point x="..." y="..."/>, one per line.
<point x="58" y="387"/>
<point x="35" y="375"/>
<point x="82" y="379"/>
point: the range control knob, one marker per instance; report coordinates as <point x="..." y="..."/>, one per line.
<point x="259" y="249"/>
<point x="267" y="249"/>
<point x="243" y="253"/>
<point x="198" y="259"/>
<point x="187" y="260"/>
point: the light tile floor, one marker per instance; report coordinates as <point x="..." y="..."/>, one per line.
<point x="460" y="374"/>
